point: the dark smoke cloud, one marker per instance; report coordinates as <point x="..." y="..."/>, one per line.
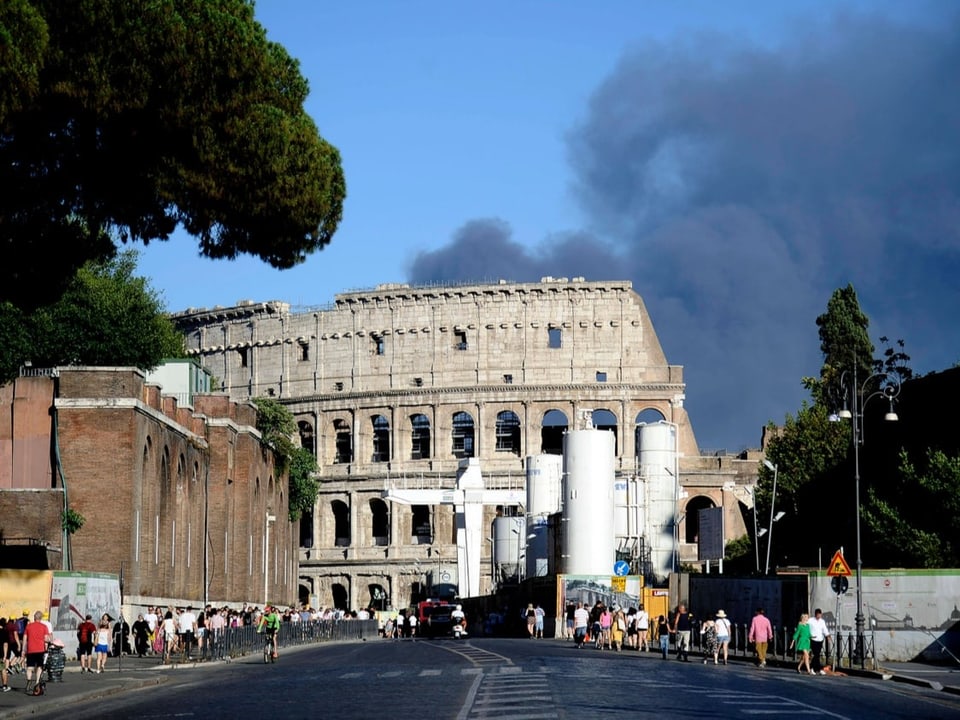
<point x="738" y="186"/>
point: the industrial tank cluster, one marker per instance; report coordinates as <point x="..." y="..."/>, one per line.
<point x="579" y="504"/>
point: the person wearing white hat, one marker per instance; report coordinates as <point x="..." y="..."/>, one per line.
<point x="723" y="635"/>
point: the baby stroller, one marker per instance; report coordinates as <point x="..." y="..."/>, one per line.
<point x="55" y="660"/>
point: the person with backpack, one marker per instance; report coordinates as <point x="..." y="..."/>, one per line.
<point x="85" y="632"/>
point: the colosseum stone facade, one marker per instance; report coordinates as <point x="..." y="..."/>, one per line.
<point x="392" y="387"/>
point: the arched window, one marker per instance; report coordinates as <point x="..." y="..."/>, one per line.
<point x="420" y="437"/>
<point x="340" y="596"/>
<point x="380" y="522"/>
<point x="692" y="517"/>
<point x="551" y="436"/>
<point x="343" y="451"/>
<point x="381" y="439"/>
<point x="462" y="435"/>
<point x="603" y="419"/>
<point x="341" y="522"/>
<point x="421" y="533"/>
<point x="305" y="429"/>
<point x="508" y="432"/>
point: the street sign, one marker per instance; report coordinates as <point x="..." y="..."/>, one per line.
<point x="840" y="584"/>
<point x="621" y="568"/>
<point x="838" y="566"/>
<point x="618" y="583"/>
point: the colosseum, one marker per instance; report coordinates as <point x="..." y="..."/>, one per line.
<point x="394" y="387"/>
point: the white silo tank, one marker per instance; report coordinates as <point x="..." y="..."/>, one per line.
<point x="588" y="475"/>
<point x="544" y="490"/>
<point x="509" y="536"/>
<point x="658" y="463"/>
<point x="544" y="484"/>
<point x="627" y="505"/>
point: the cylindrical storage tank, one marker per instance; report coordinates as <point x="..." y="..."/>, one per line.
<point x="509" y="538"/>
<point x="626" y="516"/>
<point x="659" y="473"/>
<point x="544" y="484"/>
<point x="588" y="475"/>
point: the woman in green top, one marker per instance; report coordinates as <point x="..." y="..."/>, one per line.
<point x="801" y="640"/>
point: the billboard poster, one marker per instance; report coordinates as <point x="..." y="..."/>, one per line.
<point x="624" y="591"/>
<point x="78" y="594"/>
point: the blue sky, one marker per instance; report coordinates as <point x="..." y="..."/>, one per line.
<point x="737" y="161"/>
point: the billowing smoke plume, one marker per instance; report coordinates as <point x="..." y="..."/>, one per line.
<point x="738" y="186"/>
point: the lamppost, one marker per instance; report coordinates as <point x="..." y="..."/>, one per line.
<point x="757" y="534"/>
<point x="773" y="518"/>
<point x="860" y="395"/>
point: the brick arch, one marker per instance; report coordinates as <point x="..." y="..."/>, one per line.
<point x="705" y="498"/>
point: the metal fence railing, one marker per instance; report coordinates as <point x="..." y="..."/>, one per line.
<point x="238" y="641"/>
<point x="842" y="651"/>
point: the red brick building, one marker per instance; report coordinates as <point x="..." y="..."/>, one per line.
<point x="184" y="500"/>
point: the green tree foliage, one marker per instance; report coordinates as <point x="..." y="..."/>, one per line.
<point x="916" y="522"/>
<point x="810" y="453"/>
<point x="278" y="428"/>
<point x="303" y="485"/>
<point x="844" y="342"/>
<point x="106" y="316"/>
<point x="121" y="121"/>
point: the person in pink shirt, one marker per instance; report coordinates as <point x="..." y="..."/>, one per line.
<point x="761" y="632"/>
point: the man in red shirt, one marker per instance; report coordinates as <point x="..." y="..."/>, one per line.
<point x="85" y="635"/>
<point x="35" y="637"/>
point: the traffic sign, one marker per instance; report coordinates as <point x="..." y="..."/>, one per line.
<point x="618" y="583"/>
<point x="621" y="568"/>
<point x="838" y="566"/>
<point x="840" y="584"/>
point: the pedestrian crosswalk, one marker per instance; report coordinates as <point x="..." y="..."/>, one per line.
<point x="514" y="692"/>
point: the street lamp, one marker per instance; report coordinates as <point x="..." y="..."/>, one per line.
<point x="773" y="501"/>
<point x="860" y="395"/>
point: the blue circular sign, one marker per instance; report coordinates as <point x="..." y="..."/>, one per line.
<point x="621" y="568"/>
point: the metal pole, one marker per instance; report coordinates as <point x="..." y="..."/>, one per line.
<point x="857" y="431"/>
<point x="756" y="540"/>
<point x="773" y="501"/>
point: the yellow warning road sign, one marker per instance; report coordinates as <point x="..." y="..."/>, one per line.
<point x="618" y="584"/>
<point x="838" y="566"/>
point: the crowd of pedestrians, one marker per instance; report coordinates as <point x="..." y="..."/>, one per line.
<point x="613" y="628"/>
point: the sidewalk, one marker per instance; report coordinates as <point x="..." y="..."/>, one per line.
<point x="121" y="674"/>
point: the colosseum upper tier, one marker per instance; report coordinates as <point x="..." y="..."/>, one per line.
<point x="396" y="385"/>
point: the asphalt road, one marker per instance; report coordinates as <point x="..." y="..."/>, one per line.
<point x="503" y="679"/>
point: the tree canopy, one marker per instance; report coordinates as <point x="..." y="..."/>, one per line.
<point x="120" y="121"/>
<point x="106" y="316"/>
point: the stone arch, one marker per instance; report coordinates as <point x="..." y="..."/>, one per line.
<point x="604" y="419"/>
<point x="692" y="517"/>
<point x="379" y="522"/>
<point x="381" y="438"/>
<point x="508" y="432"/>
<point x="340" y="596"/>
<point x="341" y="523"/>
<point x="307" y="436"/>
<point x="419" y="437"/>
<point x="553" y="427"/>
<point x="341" y="451"/>
<point x="463" y="435"/>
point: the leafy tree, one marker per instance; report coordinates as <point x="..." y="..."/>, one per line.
<point x="915" y="522"/>
<point x="810" y="452"/>
<point x="107" y="316"/>
<point x="278" y="428"/>
<point x="120" y="121"/>
<point x="303" y="485"/>
<point x="844" y="342"/>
